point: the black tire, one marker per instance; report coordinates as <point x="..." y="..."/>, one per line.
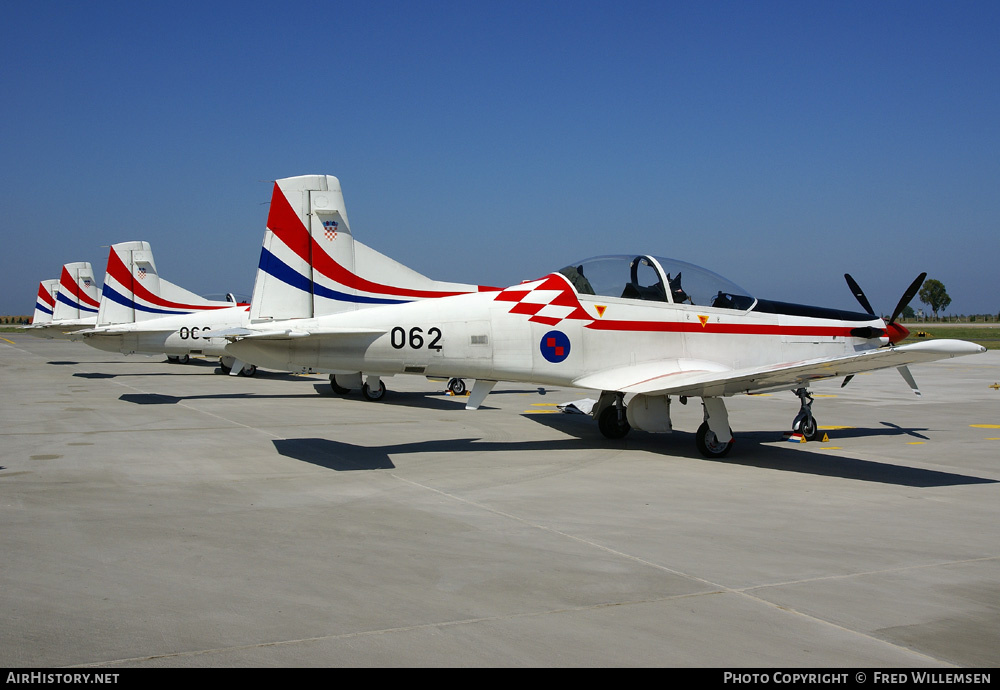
<point x="457" y="386"/>
<point x="709" y="445"/>
<point x="248" y="370"/>
<point x="225" y="367"/>
<point x="373" y="395"/>
<point x="610" y="425"/>
<point x="809" y="429"/>
<point x="337" y="388"/>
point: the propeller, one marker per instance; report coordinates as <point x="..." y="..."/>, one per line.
<point x="894" y="331"/>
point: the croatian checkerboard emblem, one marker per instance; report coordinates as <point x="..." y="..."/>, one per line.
<point x="555" y="346"/>
<point x="330" y="229"/>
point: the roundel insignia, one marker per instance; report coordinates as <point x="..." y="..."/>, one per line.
<point x="555" y="346"/>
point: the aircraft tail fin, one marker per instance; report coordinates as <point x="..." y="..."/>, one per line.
<point x="45" y="302"/>
<point x="78" y="295"/>
<point x="311" y="265"/>
<point x="134" y="291"/>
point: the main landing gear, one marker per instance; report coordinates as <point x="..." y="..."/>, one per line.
<point x="372" y="389"/>
<point x="804" y="422"/>
<point x="612" y="420"/>
<point x="226" y="364"/>
<point x="714" y="438"/>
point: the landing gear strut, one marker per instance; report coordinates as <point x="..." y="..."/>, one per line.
<point x="714" y="438"/>
<point x="612" y="420"/>
<point x="804" y="422"/>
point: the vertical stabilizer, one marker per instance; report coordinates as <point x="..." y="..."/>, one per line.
<point x="45" y="302"/>
<point x="307" y="223"/>
<point x="78" y="293"/>
<point x="134" y="291"/>
<point x="311" y="265"/>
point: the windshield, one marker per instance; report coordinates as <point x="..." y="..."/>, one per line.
<point x="655" y="279"/>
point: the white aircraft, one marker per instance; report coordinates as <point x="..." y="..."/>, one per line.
<point x="69" y="305"/>
<point x="139" y="311"/>
<point x="634" y="325"/>
<point x="45" y="301"/>
<point x="302" y="273"/>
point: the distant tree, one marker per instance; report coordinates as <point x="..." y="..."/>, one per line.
<point x="908" y="313"/>
<point x="934" y="295"/>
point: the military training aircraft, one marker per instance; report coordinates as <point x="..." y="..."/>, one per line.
<point x="139" y="311"/>
<point x="69" y="305"/>
<point x="296" y="278"/>
<point x="633" y="325"/>
<point x="45" y="302"/>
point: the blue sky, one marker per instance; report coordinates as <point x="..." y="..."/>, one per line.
<point x="780" y="144"/>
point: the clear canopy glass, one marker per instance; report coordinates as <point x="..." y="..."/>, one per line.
<point x="656" y="279"/>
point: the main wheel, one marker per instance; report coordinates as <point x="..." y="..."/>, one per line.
<point x="610" y="425"/>
<point x="709" y="444"/>
<point x="373" y="395"/>
<point x="248" y="370"/>
<point x="457" y="386"/>
<point x="337" y="388"/>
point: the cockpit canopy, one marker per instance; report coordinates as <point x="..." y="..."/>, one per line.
<point x="656" y="279"/>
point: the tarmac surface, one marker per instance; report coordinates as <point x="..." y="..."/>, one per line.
<point x="163" y="515"/>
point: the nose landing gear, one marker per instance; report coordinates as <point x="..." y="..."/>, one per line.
<point x="804" y="422"/>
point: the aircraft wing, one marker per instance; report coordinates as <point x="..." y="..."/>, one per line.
<point x="700" y="378"/>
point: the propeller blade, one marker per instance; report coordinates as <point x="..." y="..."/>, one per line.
<point x="859" y="294"/>
<point x="907" y="296"/>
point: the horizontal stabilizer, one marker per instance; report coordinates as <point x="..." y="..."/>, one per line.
<point x="289" y="333"/>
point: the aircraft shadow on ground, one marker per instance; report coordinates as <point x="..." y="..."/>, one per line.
<point x="163" y="399"/>
<point x="270" y="375"/>
<point x="758" y="449"/>
<point x="752" y="452"/>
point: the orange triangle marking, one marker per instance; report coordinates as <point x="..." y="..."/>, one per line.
<point x="703" y="319"/>
<point x="600" y="309"/>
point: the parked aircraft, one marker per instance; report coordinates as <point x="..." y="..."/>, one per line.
<point x="302" y="273"/>
<point x="629" y="325"/>
<point x="139" y="311"/>
<point x="45" y="302"/>
<point x="73" y="305"/>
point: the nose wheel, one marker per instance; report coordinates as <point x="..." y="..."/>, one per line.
<point x="804" y="422"/>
